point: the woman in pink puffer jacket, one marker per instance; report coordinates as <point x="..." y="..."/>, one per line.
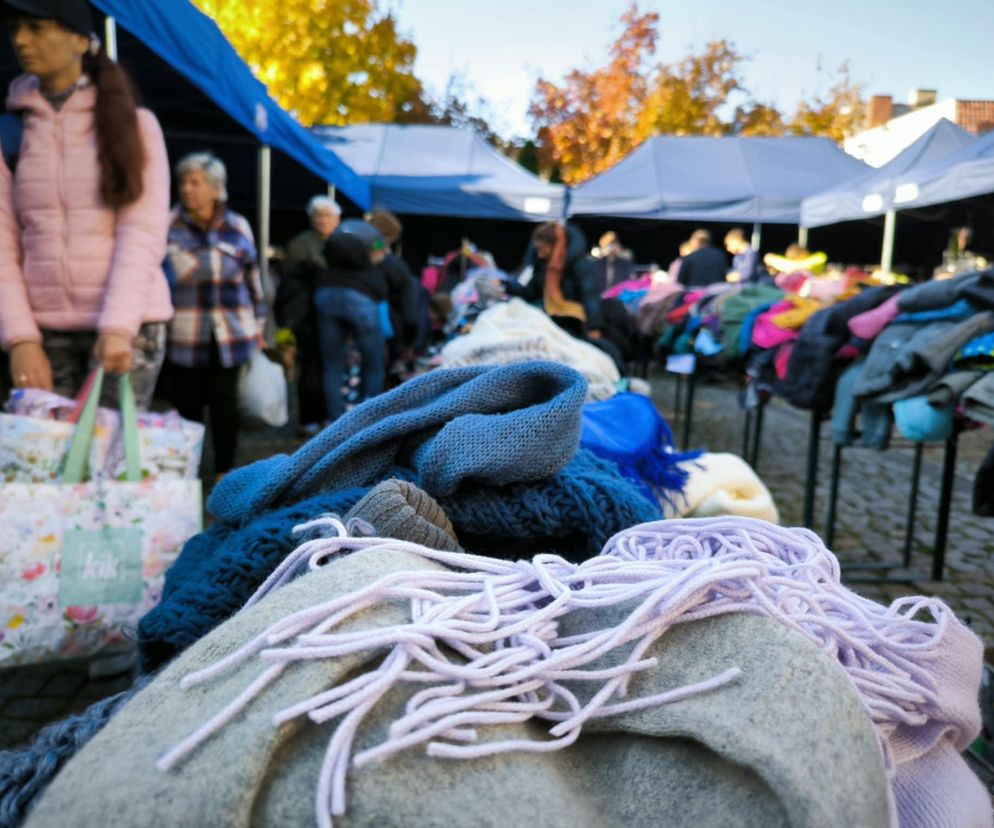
<point x="84" y="215"/>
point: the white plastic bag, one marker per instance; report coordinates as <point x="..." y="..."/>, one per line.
<point x="262" y="393"/>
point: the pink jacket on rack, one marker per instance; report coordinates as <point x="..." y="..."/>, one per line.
<point x="68" y="262"/>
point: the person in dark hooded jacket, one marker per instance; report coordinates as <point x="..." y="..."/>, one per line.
<point x="405" y="293"/>
<point x="347" y="296"/>
<point x="578" y="287"/>
<point x="579" y="282"/>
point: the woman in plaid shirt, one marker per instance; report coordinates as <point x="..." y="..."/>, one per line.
<point x="219" y="300"/>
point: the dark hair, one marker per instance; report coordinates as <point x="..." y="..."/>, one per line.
<point x="545" y="233"/>
<point x="119" y="144"/>
<point x="388" y="225"/>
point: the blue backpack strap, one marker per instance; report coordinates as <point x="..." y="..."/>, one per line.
<point x="11" y="130"/>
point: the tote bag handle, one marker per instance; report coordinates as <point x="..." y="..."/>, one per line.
<point x="74" y="470"/>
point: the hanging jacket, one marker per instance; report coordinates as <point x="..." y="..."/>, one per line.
<point x="811" y="375"/>
<point x="579" y="282"/>
<point x="907" y="359"/>
<point x="70" y="262"/>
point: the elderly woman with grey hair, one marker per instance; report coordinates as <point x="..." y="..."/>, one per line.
<point x="219" y="300"/>
<point x="295" y="307"/>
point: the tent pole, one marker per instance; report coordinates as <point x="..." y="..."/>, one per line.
<point x="264" y="207"/>
<point x="757" y="236"/>
<point x="887" y="254"/>
<point x="110" y="37"/>
<point x="802" y="237"/>
<point x="331" y="191"/>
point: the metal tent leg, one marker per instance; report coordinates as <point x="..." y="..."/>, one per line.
<point x="833" y="495"/>
<point x="746" y="434"/>
<point x="909" y="530"/>
<point x="945" y="499"/>
<point x="811" y="474"/>
<point x="688" y="412"/>
<point x="757" y="436"/>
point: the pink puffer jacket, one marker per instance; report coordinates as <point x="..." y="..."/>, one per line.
<point x="67" y="261"/>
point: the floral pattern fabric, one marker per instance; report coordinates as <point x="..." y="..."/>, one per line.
<point x="35" y="521"/>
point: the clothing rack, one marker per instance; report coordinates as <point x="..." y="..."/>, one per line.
<point x="940" y="541"/>
<point x="683" y="404"/>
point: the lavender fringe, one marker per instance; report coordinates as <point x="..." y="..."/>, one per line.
<point x="500" y="619"/>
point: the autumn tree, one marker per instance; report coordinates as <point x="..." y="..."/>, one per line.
<point x="594" y="118"/>
<point x="459" y="106"/>
<point x="688" y="98"/>
<point x="758" y="119"/>
<point x="836" y="114"/>
<point x="327" y="61"/>
<point x="587" y="120"/>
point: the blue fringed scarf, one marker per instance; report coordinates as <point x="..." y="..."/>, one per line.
<point x="629" y="431"/>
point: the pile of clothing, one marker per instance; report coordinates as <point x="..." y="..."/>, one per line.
<point x="918" y="357"/>
<point x="458" y="601"/>
<point x="712" y="670"/>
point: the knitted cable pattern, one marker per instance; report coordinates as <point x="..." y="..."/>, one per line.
<point x="218" y="570"/>
<point x="573" y="513"/>
<point x="483" y="640"/>
<point x="24" y="774"/>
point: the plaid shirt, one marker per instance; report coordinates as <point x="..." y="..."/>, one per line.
<point x="216" y="288"/>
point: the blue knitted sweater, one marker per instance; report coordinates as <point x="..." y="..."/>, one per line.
<point x="496" y="446"/>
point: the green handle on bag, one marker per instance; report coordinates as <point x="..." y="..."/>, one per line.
<point x="74" y="470"/>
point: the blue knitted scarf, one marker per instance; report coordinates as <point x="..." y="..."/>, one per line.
<point x="496" y="446"/>
<point x="482" y="424"/>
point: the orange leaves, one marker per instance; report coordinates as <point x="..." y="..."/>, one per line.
<point x="594" y="118"/>
<point x="588" y="122"/>
<point x="835" y="114"/>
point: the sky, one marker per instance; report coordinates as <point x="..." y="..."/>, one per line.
<point x="502" y="46"/>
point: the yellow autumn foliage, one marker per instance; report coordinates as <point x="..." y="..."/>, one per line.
<point x="326" y="61"/>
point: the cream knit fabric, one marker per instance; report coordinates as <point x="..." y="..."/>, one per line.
<point x="515" y="331"/>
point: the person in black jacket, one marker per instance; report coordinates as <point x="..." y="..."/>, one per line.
<point x="705" y="266"/>
<point x="578" y="285"/>
<point x="579" y="282"/>
<point x="404" y="291"/>
<point x="347" y="297"/>
<point x="294" y="308"/>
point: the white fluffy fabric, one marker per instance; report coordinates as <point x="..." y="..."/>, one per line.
<point x="515" y="331"/>
<point x="724" y="484"/>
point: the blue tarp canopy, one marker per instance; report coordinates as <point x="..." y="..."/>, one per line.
<point x="967" y="172"/>
<point x="873" y="194"/>
<point x="731" y="179"/>
<point x="192" y="44"/>
<point x="441" y="171"/>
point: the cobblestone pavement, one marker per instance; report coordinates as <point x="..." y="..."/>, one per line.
<point x="870" y="527"/>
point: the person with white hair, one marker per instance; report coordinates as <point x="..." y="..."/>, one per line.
<point x="220" y="304"/>
<point x="295" y="307"/>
